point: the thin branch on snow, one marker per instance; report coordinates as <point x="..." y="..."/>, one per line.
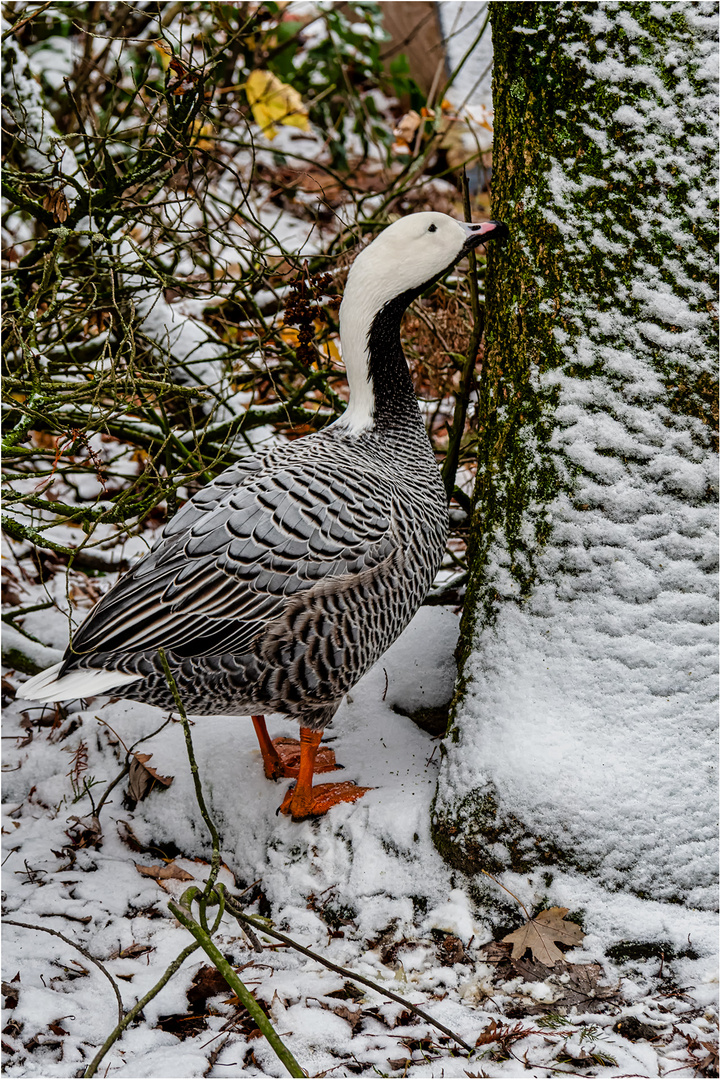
<point x="80" y="949"/>
<point x="138" y="1008"/>
<point x="236" y="910"/>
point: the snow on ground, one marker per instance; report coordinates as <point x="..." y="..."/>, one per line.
<point x="363" y="886"/>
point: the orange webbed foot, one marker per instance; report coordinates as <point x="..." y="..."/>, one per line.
<point x="281" y="757"/>
<point x="318" y="801"/>
<point x="288" y="759"/>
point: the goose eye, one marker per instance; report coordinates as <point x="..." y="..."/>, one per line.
<point x="432" y="228"/>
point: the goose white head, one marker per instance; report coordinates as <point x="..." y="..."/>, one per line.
<point x="401" y="262"/>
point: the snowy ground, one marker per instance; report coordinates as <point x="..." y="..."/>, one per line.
<point x="363" y="886"/>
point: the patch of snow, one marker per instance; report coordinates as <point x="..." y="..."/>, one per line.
<point x="373" y="861"/>
<point x="54" y="60"/>
<point x="43" y="146"/>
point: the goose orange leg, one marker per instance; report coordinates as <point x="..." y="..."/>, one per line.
<point x="303" y="800"/>
<point x="281" y="757"/>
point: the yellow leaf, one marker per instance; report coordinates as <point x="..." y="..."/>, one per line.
<point x="330" y="350"/>
<point x="200" y="132"/>
<point x="165" y="54"/>
<point x="273" y="102"/>
<point x="289" y="335"/>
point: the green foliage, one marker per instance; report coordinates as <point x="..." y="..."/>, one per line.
<point x="403" y="84"/>
<point x="335" y="72"/>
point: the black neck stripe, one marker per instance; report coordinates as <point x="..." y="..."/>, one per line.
<point x="393" y="393"/>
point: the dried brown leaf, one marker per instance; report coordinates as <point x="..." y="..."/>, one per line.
<point x="407" y="126"/>
<point x="489" y="1034"/>
<point x="496" y="952"/>
<point x="349" y="991"/>
<point x="142" y="777"/>
<point x="207" y="983"/>
<point x="128" y="836"/>
<point x="580" y="989"/>
<point x="56" y="204"/>
<point x="11" y="994"/>
<point x="131" y="952"/>
<point x="183" y="1027"/>
<point x="710" y="1064"/>
<point x="86" y="832"/>
<point x="540" y="933"/>
<point x="354" y="1017"/>
<point x="162" y="872"/>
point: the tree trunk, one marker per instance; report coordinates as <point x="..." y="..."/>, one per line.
<point x="583" y="729"/>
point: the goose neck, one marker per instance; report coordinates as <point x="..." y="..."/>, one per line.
<point x="381" y="389"/>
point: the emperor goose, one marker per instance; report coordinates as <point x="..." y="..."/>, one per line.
<point x="277" y="586"/>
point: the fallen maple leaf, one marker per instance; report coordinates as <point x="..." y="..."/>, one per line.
<point x="540" y="933"/>
<point x="274" y="102"/>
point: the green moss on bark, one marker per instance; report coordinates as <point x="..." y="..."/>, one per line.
<point x="544" y="144"/>
<point x="536" y="125"/>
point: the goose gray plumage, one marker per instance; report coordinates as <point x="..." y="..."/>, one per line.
<point x="278" y="585"/>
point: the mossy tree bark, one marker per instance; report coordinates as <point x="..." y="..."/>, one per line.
<point x="581" y="725"/>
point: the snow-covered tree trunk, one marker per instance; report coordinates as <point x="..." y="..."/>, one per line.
<point x="583" y="732"/>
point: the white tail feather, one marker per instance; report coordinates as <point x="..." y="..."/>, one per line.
<point x="76" y="684"/>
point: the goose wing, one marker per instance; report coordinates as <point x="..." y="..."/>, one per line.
<point x="235" y="556"/>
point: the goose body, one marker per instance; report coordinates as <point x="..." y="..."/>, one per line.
<point x="277" y="586"/>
